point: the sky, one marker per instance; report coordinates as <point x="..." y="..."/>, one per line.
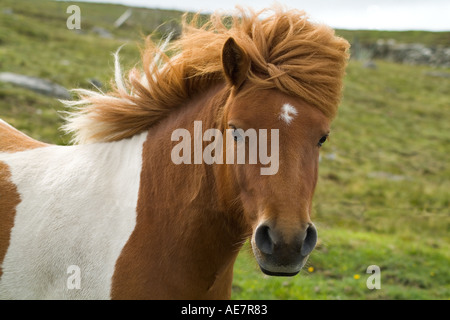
<point x="432" y="15"/>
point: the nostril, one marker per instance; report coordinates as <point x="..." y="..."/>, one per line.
<point x="263" y="240"/>
<point x="310" y="240"/>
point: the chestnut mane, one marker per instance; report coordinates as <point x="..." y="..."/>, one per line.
<point x="286" y="51"/>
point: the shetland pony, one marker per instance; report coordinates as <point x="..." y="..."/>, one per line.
<point x="113" y="217"/>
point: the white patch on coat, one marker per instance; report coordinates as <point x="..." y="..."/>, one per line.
<point x="78" y="208"/>
<point x="287" y="113"/>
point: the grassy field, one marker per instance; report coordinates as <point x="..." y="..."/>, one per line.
<point x="383" y="195"/>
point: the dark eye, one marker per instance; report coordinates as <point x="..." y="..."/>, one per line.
<point x="236" y="133"/>
<point x="322" y="140"/>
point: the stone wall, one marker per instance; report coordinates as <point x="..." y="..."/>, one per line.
<point x="408" y="53"/>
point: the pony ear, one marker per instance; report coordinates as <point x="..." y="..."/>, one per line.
<point x="236" y="62"/>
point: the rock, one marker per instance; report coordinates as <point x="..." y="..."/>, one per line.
<point x="386" y="176"/>
<point x="8" y="11"/>
<point x="370" y="65"/>
<point x="331" y="156"/>
<point x="409" y="53"/>
<point x="437" y="74"/>
<point x="124" y="17"/>
<point x="95" y="82"/>
<point x="36" y="84"/>
<point x="102" y="32"/>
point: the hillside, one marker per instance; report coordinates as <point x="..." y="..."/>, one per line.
<point x="383" y="193"/>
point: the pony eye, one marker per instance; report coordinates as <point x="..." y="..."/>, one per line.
<point x="236" y="133"/>
<point x="322" y="140"/>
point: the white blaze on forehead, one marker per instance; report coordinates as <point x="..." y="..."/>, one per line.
<point x="287" y="113"/>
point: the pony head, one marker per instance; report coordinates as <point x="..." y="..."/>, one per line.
<point x="285" y="75"/>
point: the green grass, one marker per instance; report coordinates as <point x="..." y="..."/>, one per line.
<point x="383" y="192"/>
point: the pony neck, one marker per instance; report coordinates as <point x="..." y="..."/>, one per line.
<point x="186" y="237"/>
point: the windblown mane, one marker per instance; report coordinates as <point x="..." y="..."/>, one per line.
<point x="287" y="52"/>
